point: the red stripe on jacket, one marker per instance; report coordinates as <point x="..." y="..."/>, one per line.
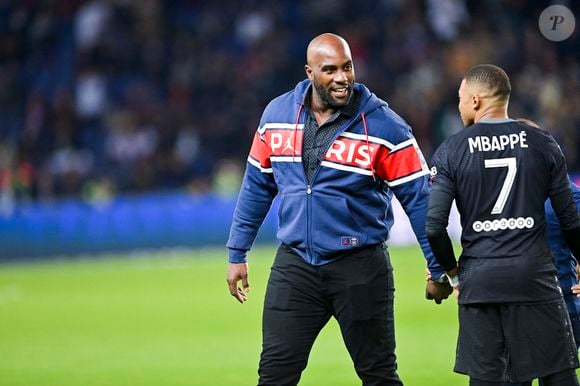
<point x="399" y="163"/>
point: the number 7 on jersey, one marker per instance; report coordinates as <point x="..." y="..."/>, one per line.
<point x="504" y="193"/>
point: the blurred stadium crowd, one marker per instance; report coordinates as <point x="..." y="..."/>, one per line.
<point x="108" y="96"/>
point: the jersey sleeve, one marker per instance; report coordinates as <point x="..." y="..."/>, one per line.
<point x="254" y="200"/>
<point x="440" y="201"/>
<point x="441" y="171"/>
<point x="442" y="192"/>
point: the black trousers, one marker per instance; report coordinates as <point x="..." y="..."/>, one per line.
<point x="356" y="289"/>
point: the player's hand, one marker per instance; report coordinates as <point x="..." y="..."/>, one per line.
<point x="453" y="273"/>
<point x="436" y="291"/>
<point x="237" y="272"/>
<point x="576" y="290"/>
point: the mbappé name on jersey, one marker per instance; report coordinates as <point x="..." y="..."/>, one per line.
<point x="497" y="142"/>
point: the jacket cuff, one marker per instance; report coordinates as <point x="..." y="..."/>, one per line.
<point x="436" y="273"/>
<point x="237" y="256"/>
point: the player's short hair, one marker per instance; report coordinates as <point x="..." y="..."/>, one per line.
<point x="492" y="78"/>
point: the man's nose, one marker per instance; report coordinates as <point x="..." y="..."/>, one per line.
<point x="341" y="77"/>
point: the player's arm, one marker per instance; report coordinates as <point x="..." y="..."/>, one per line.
<point x="254" y="200"/>
<point x="440" y="202"/>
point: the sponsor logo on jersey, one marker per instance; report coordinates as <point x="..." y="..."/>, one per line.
<point x="503" y="224"/>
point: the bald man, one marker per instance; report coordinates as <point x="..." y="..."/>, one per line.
<point x="513" y="323"/>
<point x="335" y="154"/>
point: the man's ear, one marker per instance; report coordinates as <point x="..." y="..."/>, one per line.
<point x="476" y="102"/>
<point x="308" y="70"/>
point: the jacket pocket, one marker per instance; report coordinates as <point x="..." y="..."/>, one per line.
<point x="334" y="227"/>
<point x="292" y="219"/>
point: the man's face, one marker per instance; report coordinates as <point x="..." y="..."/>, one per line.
<point x="466" y="110"/>
<point x="331" y="71"/>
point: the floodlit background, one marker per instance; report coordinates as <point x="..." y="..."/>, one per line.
<point x="124" y="128"/>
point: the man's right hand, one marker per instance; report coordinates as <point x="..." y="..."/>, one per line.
<point x="437" y="291"/>
<point x="237" y="272"/>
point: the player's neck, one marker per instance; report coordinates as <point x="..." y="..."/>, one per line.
<point x="491" y="112"/>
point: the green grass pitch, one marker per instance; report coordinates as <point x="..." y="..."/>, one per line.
<point x="167" y="319"/>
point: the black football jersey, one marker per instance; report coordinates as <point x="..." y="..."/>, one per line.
<point x="500" y="174"/>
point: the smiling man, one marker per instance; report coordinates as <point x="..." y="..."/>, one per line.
<point x="333" y="88"/>
<point x="335" y="154"/>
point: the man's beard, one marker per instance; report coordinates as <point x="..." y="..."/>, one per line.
<point x="324" y="94"/>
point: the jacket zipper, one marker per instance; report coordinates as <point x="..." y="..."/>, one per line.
<point x="309" y="222"/>
<point x="309" y="192"/>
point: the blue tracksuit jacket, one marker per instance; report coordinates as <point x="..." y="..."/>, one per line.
<point x="348" y="204"/>
<point x="563" y="259"/>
